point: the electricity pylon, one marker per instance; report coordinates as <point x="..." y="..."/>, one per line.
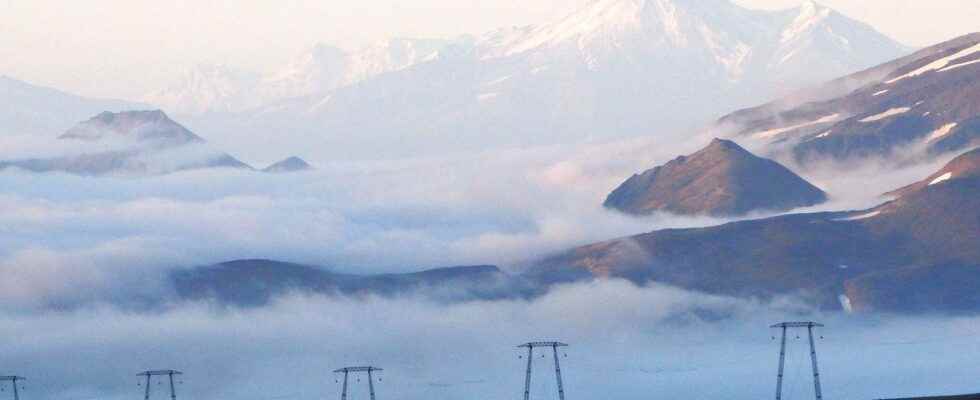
<point x="348" y="370"/>
<point x="13" y="380"/>
<point x="162" y="372"/>
<point x="782" y="355"/>
<point x="530" y="355"/>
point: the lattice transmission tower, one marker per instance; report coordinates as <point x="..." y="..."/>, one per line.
<point x="784" y="326"/>
<point x="13" y="379"/>
<point x="160" y="372"/>
<point x="530" y="356"/>
<point x="347" y="370"/>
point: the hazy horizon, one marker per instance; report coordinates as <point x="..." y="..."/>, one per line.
<point x="124" y="50"/>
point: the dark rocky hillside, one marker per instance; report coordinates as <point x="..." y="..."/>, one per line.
<point x="918" y="252"/>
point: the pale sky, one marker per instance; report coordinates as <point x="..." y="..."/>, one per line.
<point x="125" y="48"/>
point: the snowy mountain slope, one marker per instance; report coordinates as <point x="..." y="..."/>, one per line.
<point x="325" y="68"/>
<point x="322" y="68"/>
<point x="917" y="106"/>
<point x="208" y="88"/>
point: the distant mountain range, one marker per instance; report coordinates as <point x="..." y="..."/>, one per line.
<point x="250" y="283"/>
<point x="722" y="179"/>
<point x="220" y="88"/>
<point x="911" y="108"/>
<point x="916" y="253"/>
<point x="128" y="143"/>
<point x="38" y="110"/>
<point x="612" y="68"/>
<point x="136" y="143"/>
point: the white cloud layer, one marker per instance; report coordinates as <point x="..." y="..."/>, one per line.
<point x="65" y="239"/>
<point x="627" y="343"/>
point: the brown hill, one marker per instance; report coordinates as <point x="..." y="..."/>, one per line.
<point x="720" y="179"/>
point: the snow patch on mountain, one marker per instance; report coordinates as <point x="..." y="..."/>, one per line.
<point x="941" y="178"/>
<point x="885" y="114"/>
<point x="859" y="217"/>
<point x="937" y="64"/>
<point x="963" y="64"/>
<point x="774" y="132"/>
<point x="941" y="131"/>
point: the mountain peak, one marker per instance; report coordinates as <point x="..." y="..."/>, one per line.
<point x="134" y="143"/>
<point x="613" y="24"/>
<point x="139" y="125"/>
<point x="809" y="7"/>
<point x="207" y="87"/>
<point x="721" y="179"/>
<point x="808" y="16"/>
<point x="718" y="145"/>
<point x="291" y="164"/>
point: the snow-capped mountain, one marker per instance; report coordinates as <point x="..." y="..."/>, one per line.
<point x="727" y="40"/>
<point x="612" y="68"/>
<point x="325" y="67"/>
<point x="320" y="69"/>
<point x="209" y="88"/>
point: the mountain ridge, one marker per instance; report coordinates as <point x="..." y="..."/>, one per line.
<point x="39" y="110"/>
<point x="138" y="143"/>
<point x="614" y="68"/>
<point x="910" y="109"/>
<point x="864" y="260"/>
<point x="256" y="282"/>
